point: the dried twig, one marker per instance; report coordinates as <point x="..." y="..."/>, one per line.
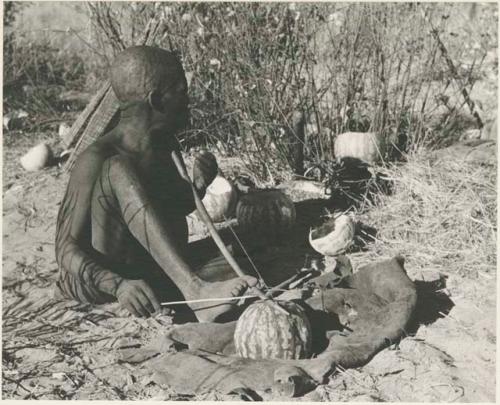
<point x="453" y="71"/>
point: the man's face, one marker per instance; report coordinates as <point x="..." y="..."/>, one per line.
<point x="173" y="105"/>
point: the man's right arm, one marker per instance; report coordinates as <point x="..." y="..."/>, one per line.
<point x="81" y="276"/>
<point x="83" y="279"/>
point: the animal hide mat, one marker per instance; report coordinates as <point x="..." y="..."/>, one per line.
<point x="350" y="326"/>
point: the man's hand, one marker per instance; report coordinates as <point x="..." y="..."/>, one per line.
<point x="204" y="170"/>
<point x="137" y="297"/>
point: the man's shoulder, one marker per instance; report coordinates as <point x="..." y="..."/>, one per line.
<point x="90" y="161"/>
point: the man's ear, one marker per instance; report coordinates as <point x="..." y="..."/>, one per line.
<point x="154" y="100"/>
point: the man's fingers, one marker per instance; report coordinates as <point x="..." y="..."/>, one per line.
<point x="206" y="162"/>
<point x="206" y="170"/>
<point x="152" y="298"/>
<point x="139" y="307"/>
<point x="135" y="309"/>
<point x="148" y="299"/>
<point x="206" y="155"/>
<point x="139" y="298"/>
<point x="131" y="309"/>
<point x="144" y="301"/>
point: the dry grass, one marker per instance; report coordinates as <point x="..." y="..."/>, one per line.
<point x="441" y="216"/>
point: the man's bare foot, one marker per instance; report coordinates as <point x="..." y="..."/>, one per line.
<point x="210" y="311"/>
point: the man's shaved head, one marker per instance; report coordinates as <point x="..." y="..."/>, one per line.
<point x="140" y="70"/>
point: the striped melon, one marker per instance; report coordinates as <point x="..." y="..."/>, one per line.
<point x="267" y="212"/>
<point x="263" y="332"/>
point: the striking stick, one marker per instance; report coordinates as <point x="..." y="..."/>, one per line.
<point x="208" y="300"/>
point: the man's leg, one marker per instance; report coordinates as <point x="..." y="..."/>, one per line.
<point x="210" y="265"/>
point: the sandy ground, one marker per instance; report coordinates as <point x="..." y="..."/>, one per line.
<point x="66" y="350"/>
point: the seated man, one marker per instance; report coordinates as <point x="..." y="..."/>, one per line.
<point x="121" y="230"/>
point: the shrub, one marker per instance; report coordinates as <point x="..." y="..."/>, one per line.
<point x="349" y="67"/>
<point x="36" y="72"/>
<point x="254" y="66"/>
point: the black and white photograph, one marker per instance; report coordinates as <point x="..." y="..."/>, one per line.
<point x="249" y="201"/>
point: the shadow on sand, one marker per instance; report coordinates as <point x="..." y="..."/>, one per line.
<point x="432" y="303"/>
